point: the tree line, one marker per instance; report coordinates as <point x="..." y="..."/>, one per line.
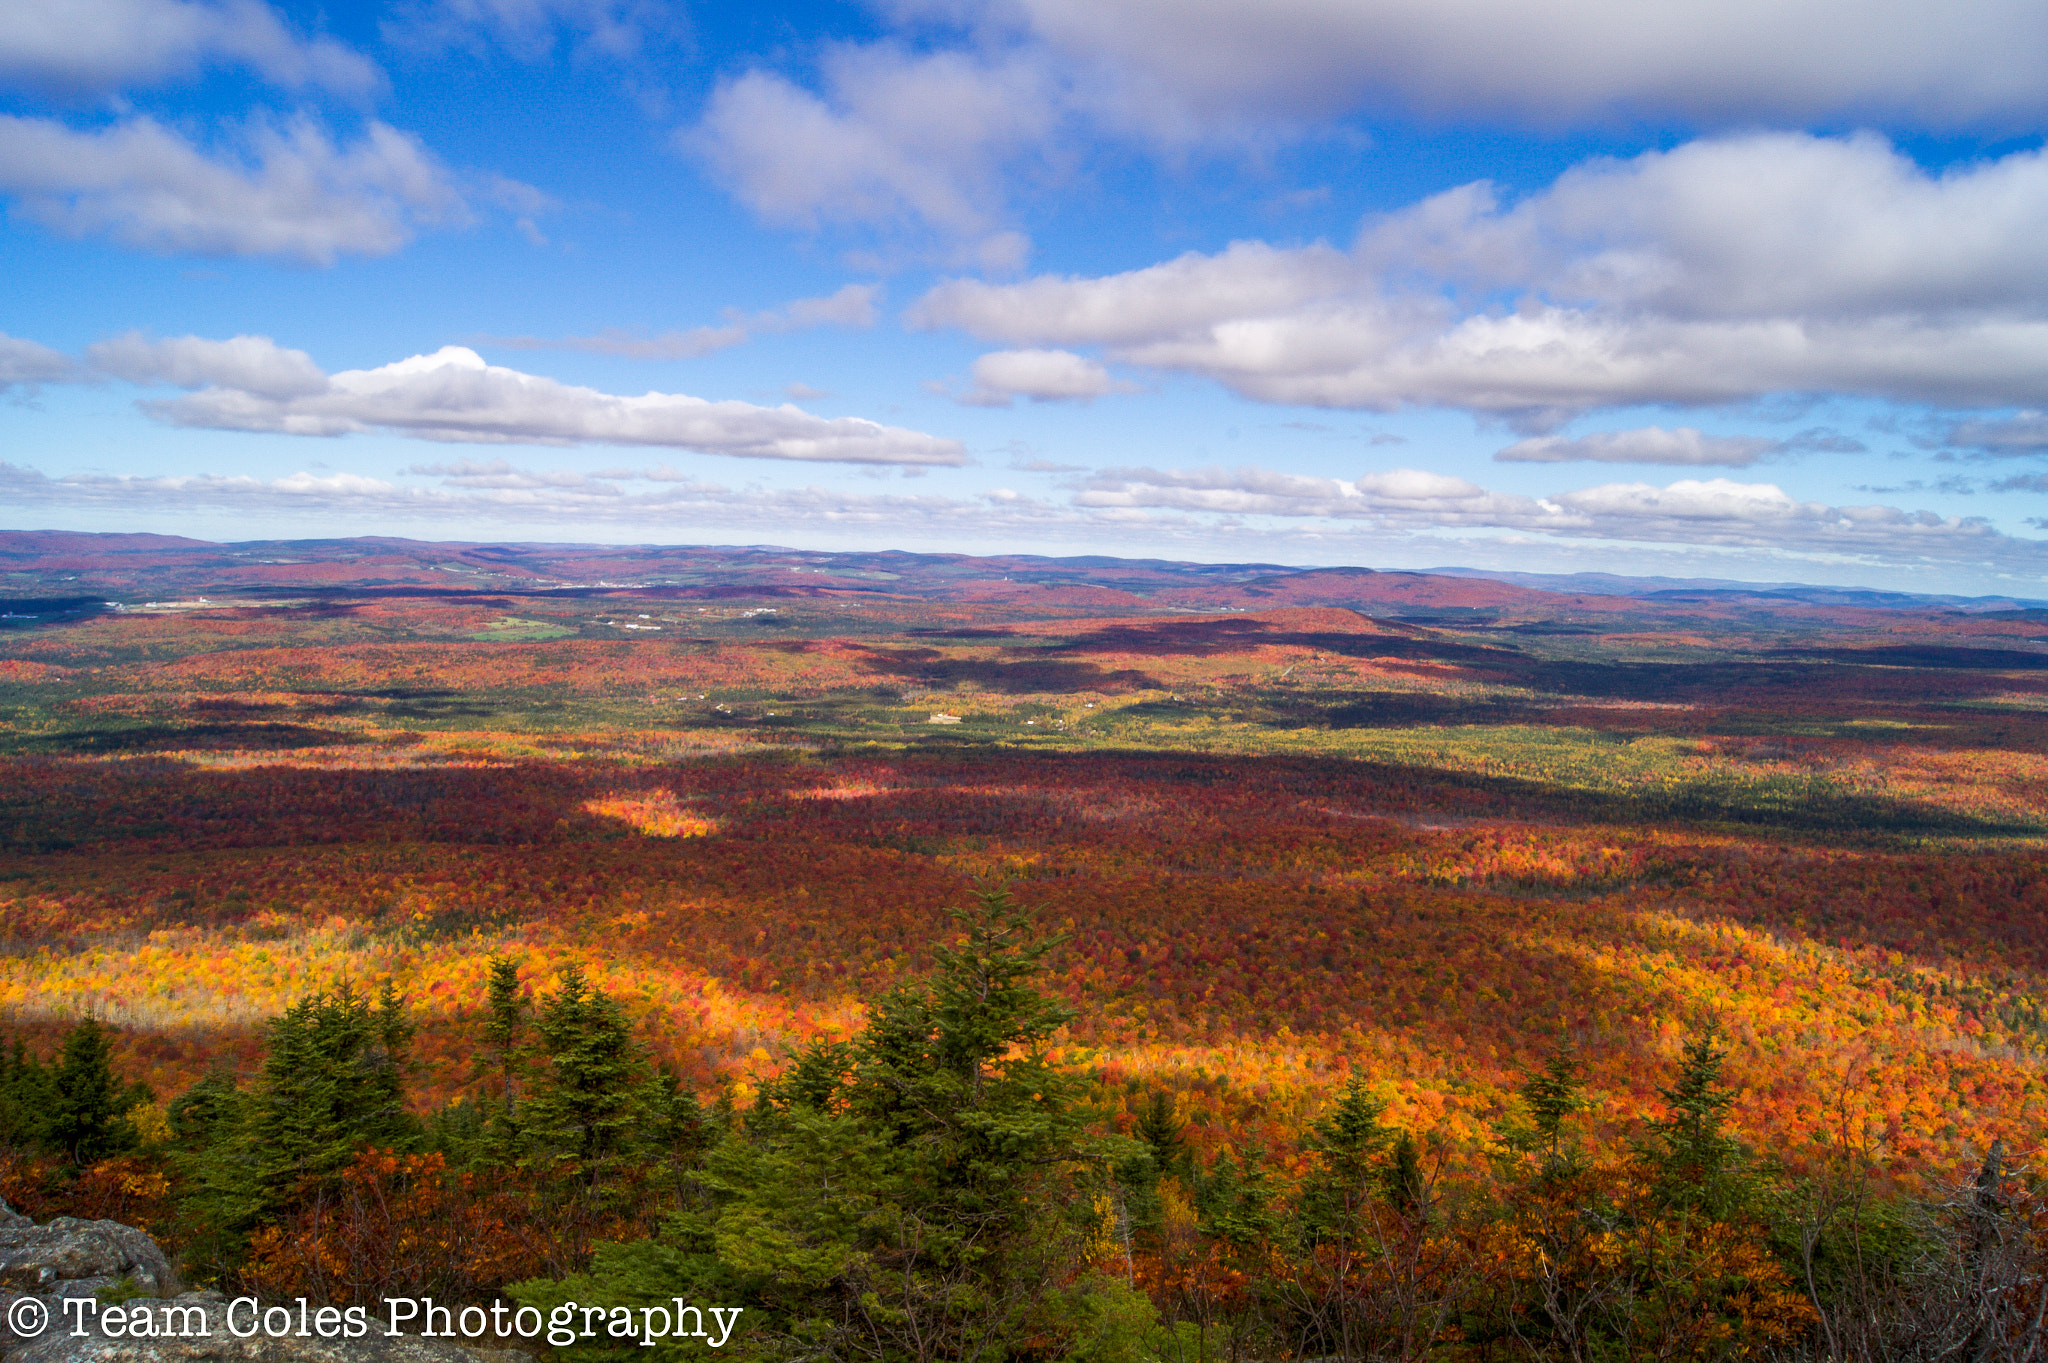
<point x="937" y="1188"/>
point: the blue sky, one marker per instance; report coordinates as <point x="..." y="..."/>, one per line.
<point x="1751" y="290"/>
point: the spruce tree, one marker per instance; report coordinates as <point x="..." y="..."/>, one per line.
<point x="898" y="1196"/>
<point x="332" y="1084"/>
<point x="1350" y="1144"/>
<point x="86" y="1119"/>
<point x="1550" y="1096"/>
<point x="1694" y="1164"/>
<point x="25" y="1098"/>
<point x="582" y="1116"/>
<point x="1165" y="1135"/>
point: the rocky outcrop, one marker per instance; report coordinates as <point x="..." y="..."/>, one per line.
<point x="83" y="1255"/>
<point x="68" y="1260"/>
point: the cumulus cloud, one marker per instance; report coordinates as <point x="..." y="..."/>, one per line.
<point x="1714" y="512"/>
<point x="852" y="306"/>
<point x="2021" y="433"/>
<point x="25" y="364"/>
<point x="452" y="395"/>
<point x="656" y="497"/>
<point x="1646" y="445"/>
<point x="251" y="364"/>
<point x="1781" y="224"/>
<point x="297" y="195"/>
<point x="1041" y="376"/>
<point x="895" y="139"/>
<point x="532" y="30"/>
<point x="1718" y="272"/>
<point x="97" y="47"/>
<point x="1210" y="62"/>
<point x="1203" y="506"/>
<point x="1407" y="497"/>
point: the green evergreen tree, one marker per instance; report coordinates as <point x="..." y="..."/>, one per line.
<point x="25" y="1098"/>
<point x="503" y="1056"/>
<point x="898" y="1197"/>
<point x="332" y="1083"/>
<point x="1235" y="1198"/>
<point x="1162" y="1153"/>
<point x="87" y="1118"/>
<point x="677" y="1128"/>
<point x="585" y="1108"/>
<point x="1550" y="1096"/>
<point x="1350" y="1144"/>
<point x="202" y="1115"/>
<point x="1165" y="1135"/>
<point x="1694" y="1164"/>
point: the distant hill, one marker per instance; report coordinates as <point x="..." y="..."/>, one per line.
<point x="47" y="564"/>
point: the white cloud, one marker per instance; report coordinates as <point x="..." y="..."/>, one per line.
<point x="1218" y="62"/>
<point x="896" y="139"/>
<point x="693" y="344"/>
<point x="1646" y="445"/>
<point x="1414" y="514"/>
<point x="24" y="364"/>
<point x="531" y="30"/>
<point x="452" y="395"/>
<point x="639" y="498"/>
<point x="2021" y="433"/>
<point x="852" y="306"/>
<point x="299" y="196"/>
<point x="1721" y="271"/>
<point x="252" y="364"/>
<point x="1780" y="224"/>
<point x="1714" y="512"/>
<point x="1396" y="497"/>
<point x="1040" y="375"/>
<point x="88" y="47"/>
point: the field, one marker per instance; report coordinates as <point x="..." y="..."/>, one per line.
<point x="1296" y="825"/>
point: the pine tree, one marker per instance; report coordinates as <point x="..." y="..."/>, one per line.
<point x="86" y="1119"/>
<point x="332" y="1083"/>
<point x="893" y="1197"/>
<point x="1165" y="1135"/>
<point x="586" y="1104"/>
<point x="504" y="1032"/>
<point x="25" y="1098"/>
<point x="1694" y="1163"/>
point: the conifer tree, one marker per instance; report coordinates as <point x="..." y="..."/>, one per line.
<point x="25" y="1097"/>
<point x="1694" y="1163"/>
<point x="332" y="1083"/>
<point x="1551" y="1096"/>
<point x="895" y="1197"/>
<point x="504" y="1029"/>
<point x="86" y="1119"/>
<point x="1350" y="1145"/>
<point x="582" y="1115"/>
<point x="1164" y="1134"/>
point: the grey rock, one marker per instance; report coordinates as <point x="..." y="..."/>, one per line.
<point x="141" y="1257"/>
<point x="64" y="1265"/>
<point x="83" y="1287"/>
<point x="37" y="1258"/>
<point x="194" y="1328"/>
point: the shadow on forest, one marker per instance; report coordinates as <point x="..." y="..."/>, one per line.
<point x="145" y="738"/>
<point x="541" y="802"/>
<point x="44" y="612"/>
<point x="1937" y="656"/>
<point x="1025" y="676"/>
<point x="1794" y="807"/>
